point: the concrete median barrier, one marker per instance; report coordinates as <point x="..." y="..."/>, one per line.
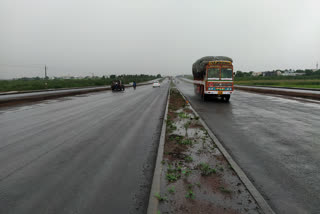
<point x="9" y="99"/>
<point x="277" y="91"/>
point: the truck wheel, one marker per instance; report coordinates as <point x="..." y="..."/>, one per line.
<point x="227" y="98"/>
<point x="202" y="93"/>
<point x="205" y="97"/>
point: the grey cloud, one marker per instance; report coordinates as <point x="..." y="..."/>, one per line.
<point x="106" y="37"/>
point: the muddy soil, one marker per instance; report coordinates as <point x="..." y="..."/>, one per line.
<point x="196" y="177"/>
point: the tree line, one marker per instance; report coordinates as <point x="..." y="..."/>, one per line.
<point x="307" y="74"/>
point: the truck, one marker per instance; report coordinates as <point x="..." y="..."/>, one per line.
<point x="213" y="77"/>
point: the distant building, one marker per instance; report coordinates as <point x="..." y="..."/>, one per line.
<point x="78" y="77"/>
<point x="292" y="74"/>
<point x="271" y="73"/>
<point x="70" y="77"/>
<point x="255" y="74"/>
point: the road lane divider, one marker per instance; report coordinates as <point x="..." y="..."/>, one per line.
<point x="306" y="95"/>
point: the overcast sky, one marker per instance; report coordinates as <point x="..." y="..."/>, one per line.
<point x="81" y="37"/>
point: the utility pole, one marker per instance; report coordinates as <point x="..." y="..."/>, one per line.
<point x="45" y="71"/>
<point x="45" y="76"/>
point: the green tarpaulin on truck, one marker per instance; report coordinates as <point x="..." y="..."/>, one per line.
<point x="199" y="67"/>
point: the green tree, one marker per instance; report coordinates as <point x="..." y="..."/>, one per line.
<point x="239" y="74"/>
<point x="309" y="72"/>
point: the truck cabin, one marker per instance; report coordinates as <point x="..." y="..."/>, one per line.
<point x="219" y="70"/>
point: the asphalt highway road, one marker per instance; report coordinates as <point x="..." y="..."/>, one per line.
<point x="275" y="140"/>
<point x="93" y="153"/>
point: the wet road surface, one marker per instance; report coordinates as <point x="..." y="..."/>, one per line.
<point x="275" y="140"/>
<point x="93" y="153"/>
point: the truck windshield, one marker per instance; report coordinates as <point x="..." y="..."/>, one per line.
<point x="226" y="73"/>
<point x="213" y="73"/>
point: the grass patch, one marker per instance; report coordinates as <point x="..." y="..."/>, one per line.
<point x="190" y="194"/>
<point x="171" y="177"/>
<point x="186" y="172"/>
<point x="173" y="174"/>
<point x="186" y="142"/>
<point x="160" y="198"/>
<point x="206" y="169"/>
<point x="176" y="100"/>
<point x="186" y="126"/>
<point x="188" y="159"/>
<point x="224" y="190"/>
<point x="172" y="190"/>
<point x="183" y="115"/>
<point x="176" y="138"/>
<point x="170" y="126"/>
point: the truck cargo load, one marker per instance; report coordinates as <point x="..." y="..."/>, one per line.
<point x="199" y="67"/>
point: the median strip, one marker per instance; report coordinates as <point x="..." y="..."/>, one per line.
<point x="195" y="176"/>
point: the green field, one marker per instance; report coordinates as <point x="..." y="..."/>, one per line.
<point x="39" y="84"/>
<point x="297" y="83"/>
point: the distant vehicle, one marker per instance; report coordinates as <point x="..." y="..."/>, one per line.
<point x="117" y="86"/>
<point x="156" y="84"/>
<point x="213" y="77"/>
